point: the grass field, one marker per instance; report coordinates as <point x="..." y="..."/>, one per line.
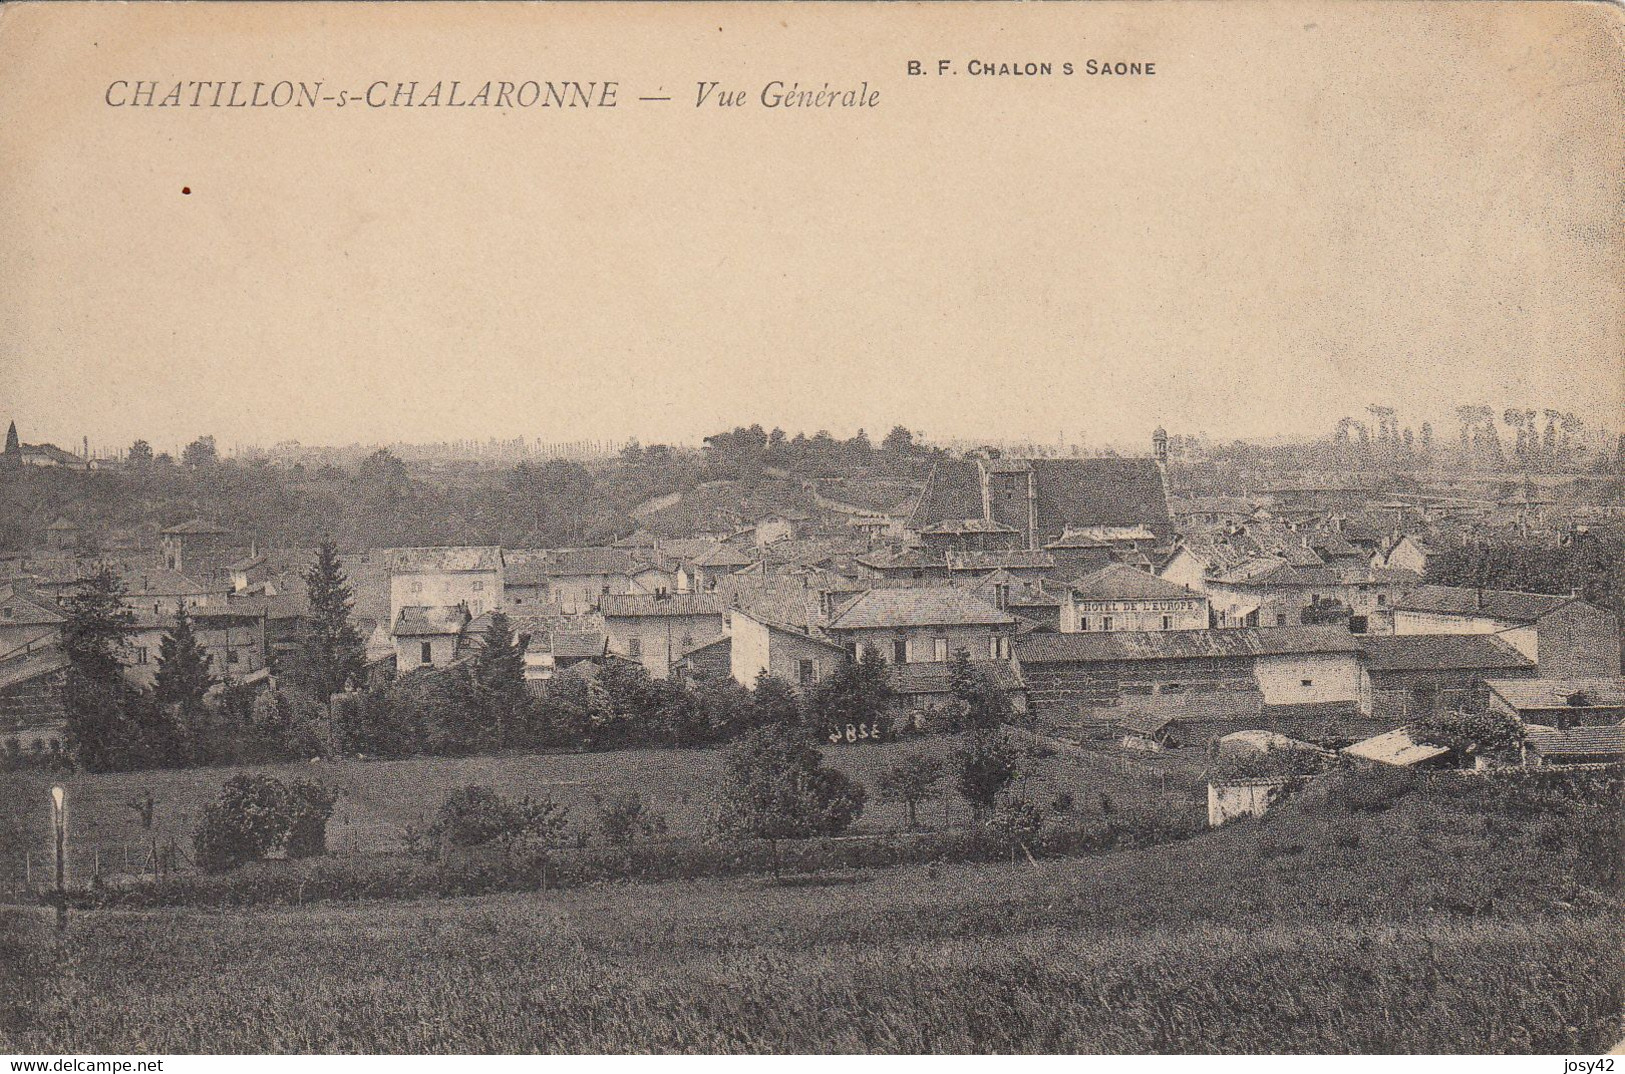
<point x="381" y="798"/>
<point x="1418" y="928"/>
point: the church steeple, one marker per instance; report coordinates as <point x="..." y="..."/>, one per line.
<point x="14" y="448"/>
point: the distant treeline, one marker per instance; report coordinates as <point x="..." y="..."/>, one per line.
<point x="383" y="502"/>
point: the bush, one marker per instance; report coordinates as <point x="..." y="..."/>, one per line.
<point x="256" y="815"/>
<point x="1266" y="764"/>
<point x="776" y="786"/>
<point x="624" y="817"/>
<point x="984" y="765"/>
<point x="310" y="807"/>
<point x="474" y="816"/>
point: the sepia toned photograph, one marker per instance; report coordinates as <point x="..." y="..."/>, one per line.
<point x="811" y="528"/>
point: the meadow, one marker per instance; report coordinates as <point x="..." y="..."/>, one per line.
<point x="1412" y="923"/>
<point x="379" y="800"/>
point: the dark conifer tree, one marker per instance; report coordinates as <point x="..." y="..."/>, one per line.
<point x="331" y="653"/>
<point x="498" y="683"/>
<point x="183" y="677"/>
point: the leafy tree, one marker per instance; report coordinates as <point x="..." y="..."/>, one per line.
<point x="774" y="702"/>
<point x="474" y="816"/>
<point x="257" y="814"/>
<point x="97" y="619"/>
<point x="139" y="455"/>
<point x="93" y="641"/>
<point x="624" y="817"/>
<point x="200" y="453"/>
<point x="911" y="780"/>
<point x="900" y="441"/>
<point x="984" y="765"/>
<point x="775" y="786"/>
<point x="1472" y="734"/>
<point x="331" y="653"/>
<point x="183" y="678"/>
<point x="858" y="692"/>
<point x="498" y="682"/>
<point x="985" y="705"/>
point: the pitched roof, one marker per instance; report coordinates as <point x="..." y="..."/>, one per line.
<point x="51" y="451"/>
<point x="718" y="643"/>
<point x="1118" y="581"/>
<point x="893" y="559"/>
<point x="953" y="490"/>
<point x="1270" y="572"/>
<point x="1423" y="652"/>
<point x="17" y="609"/>
<point x="1489" y="603"/>
<point x="417" y="621"/>
<point x="32" y="665"/>
<point x="1395" y="747"/>
<point x="723" y="555"/>
<point x="956" y="527"/>
<point x="918" y="606"/>
<point x="162" y="581"/>
<point x="1001" y="559"/>
<point x="584" y="561"/>
<point x="578" y="645"/>
<point x="644" y="605"/>
<point x="1100" y="492"/>
<point x="782" y="627"/>
<point x="937" y="676"/>
<point x="1579" y="742"/>
<point x="197" y="527"/>
<point x="451" y="558"/>
<point x="1527" y="695"/>
<point x="1129" y="645"/>
<point x="1147" y="724"/>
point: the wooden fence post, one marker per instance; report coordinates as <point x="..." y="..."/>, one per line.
<point x="59" y="831"/>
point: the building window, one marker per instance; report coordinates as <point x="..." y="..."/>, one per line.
<point x="1280" y="619"/>
<point x="1105" y="622"/>
<point x="999" y="647"/>
<point x="231" y="656"/>
<point x="1382" y="598"/>
<point x="806" y="672"/>
<point x="1306" y="682"/>
<point x="688" y="640"/>
<point x="141" y="655"/>
<point x="1167" y="622"/>
<point x="417" y="587"/>
<point x="426" y="656"/>
<point x="1083" y="624"/>
<point x="939" y="649"/>
<point x="1001" y="596"/>
<point x="479" y="586"/>
<point x="634" y="646"/>
<point x="899" y="651"/>
<point x="6" y="612"/>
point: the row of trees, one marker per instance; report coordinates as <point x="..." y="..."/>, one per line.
<point x="325" y="704"/>
<point x="379" y="501"/>
<point x="189" y="716"/>
<point x="1593" y="564"/>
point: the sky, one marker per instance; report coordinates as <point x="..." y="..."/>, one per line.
<point x="1307" y="209"/>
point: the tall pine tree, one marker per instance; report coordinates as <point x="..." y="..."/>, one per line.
<point x="99" y="730"/>
<point x="331" y="653"/>
<point x="498" y="682"/>
<point x="183" y="670"/>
